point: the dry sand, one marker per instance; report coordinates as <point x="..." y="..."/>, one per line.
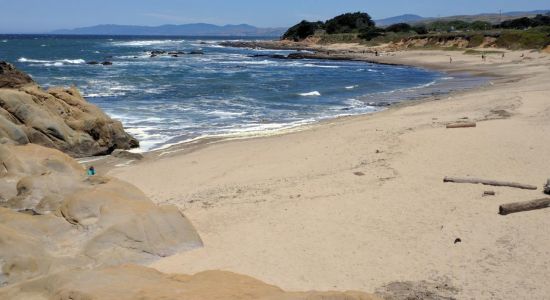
<point x="359" y="202"/>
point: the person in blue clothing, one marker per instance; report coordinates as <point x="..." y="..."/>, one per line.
<point x="91" y="171"/>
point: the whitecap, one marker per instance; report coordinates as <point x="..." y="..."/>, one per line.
<point x="55" y="64"/>
<point x="351" y="87"/>
<point x="24" y="59"/>
<point x="147" y="43"/>
<point x="73" y="61"/>
<point x="310" y="94"/>
<point x="321" y="66"/>
<point x="4" y="41"/>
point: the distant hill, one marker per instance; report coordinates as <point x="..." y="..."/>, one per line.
<point x="488" y="17"/>
<point x="197" y="29"/>
<point x="408" y="18"/>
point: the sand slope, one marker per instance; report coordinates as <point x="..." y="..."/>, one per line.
<point x="358" y="203"/>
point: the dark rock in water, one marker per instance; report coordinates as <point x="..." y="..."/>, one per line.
<point x="153" y="55"/>
<point x="158" y="52"/>
<point x="12" y="78"/>
<point x="126" y="154"/>
<point x="275" y="56"/>
<point x="58" y="118"/>
<point x="107" y="63"/>
<point x="196" y="52"/>
<point x="203" y="43"/>
<point x="176" y="53"/>
<point x="92" y="63"/>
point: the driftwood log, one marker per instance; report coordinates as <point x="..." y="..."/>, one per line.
<point x="511" y="208"/>
<point x="462" y="125"/>
<point x="489" y="182"/>
<point x="489" y="193"/>
<point x="547" y="187"/>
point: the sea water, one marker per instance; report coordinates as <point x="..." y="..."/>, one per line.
<point x="164" y="100"/>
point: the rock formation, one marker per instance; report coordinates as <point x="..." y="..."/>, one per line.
<point x="56" y="118"/>
<point x="131" y="282"/>
<point x="77" y="220"/>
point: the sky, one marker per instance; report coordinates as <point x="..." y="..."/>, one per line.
<point x="35" y="16"/>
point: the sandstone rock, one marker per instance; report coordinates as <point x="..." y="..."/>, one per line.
<point x="11" y="78"/>
<point x="95" y="221"/>
<point x="127" y="155"/>
<point x="57" y="118"/>
<point x="134" y="282"/>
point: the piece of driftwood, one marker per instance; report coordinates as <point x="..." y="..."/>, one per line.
<point x="511" y="208"/>
<point x="489" y="182"/>
<point x="547" y="187"/>
<point x="489" y="193"/>
<point x="462" y="125"/>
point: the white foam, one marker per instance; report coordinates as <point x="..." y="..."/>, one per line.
<point x="24" y="59"/>
<point x="4" y="41"/>
<point x="49" y="63"/>
<point x="321" y="66"/>
<point x="351" y="87"/>
<point x="55" y="64"/>
<point x="310" y="94"/>
<point x="74" y="61"/>
<point x="146" y="43"/>
<point x="225" y="114"/>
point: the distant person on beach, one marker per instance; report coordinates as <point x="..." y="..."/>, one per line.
<point x="91" y="171"/>
<point x="376" y="53"/>
<point x="450" y="59"/>
<point x="483" y="57"/>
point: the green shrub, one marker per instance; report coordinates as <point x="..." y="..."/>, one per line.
<point x="349" y="23"/>
<point x="476" y="40"/>
<point x="399" y="27"/>
<point x="523" y="39"/>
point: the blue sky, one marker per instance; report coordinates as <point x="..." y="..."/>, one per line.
<point x="24" y="16"/>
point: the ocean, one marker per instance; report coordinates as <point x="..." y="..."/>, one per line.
<point x="166" y="100"/>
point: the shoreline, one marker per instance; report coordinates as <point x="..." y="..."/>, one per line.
<point x="358" y="202"/>
<point x="107" y="162"/>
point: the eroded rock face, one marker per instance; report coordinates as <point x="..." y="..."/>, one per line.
<point x="57" y="118"/>
<point x="134" y="282"/>
<point x="77" y="221"/>
<point x="12" y="78"/>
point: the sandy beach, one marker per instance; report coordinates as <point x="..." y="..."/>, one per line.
<point x="359" y="202"/>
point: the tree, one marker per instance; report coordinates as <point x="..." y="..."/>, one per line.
<point x="420" y="29"/>
<point x="302" y="30"/>
<point x="371" y="33"/>
<point x="399" y="27"/>
<point x="349" y="23"/>
<point x="480" y="25"/>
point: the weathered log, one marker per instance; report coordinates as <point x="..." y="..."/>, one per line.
<point x="461" y="125"/>
<point x="489" y="193"/>
<point x="489" y="182"/>
<point x="547" y="187"/>
<point x="511" y="208"/>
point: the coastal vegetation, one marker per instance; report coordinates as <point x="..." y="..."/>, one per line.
<point x="520" y="33"/>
